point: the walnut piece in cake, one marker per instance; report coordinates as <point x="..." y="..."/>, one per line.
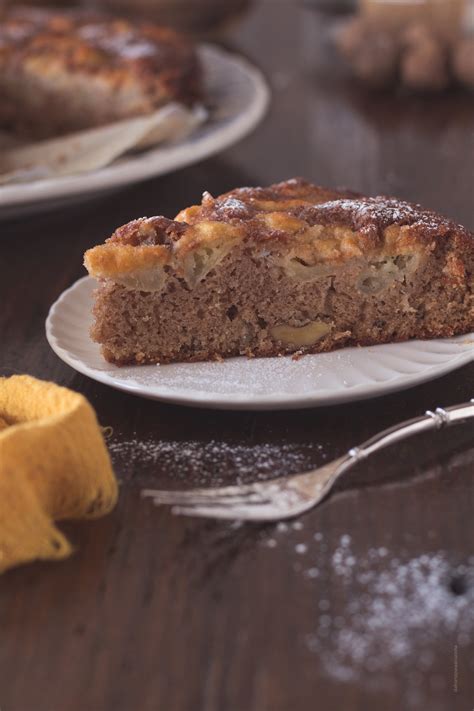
<point x="62" y="72"/>
<point x="285" y="269"/>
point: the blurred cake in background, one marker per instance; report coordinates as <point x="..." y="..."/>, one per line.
<point x="62" y="72"/>
<point x="199" y="17"/>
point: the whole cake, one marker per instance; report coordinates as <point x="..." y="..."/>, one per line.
<point x="293" y="268"/>
<point x="62" y="72"/>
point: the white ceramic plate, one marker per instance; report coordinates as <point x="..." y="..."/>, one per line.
<point x="254" y="384"/>
<point x="238" y="97"/>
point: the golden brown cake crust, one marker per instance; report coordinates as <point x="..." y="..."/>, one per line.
<point x="285" y="269"/>
<point x="287" y="214"/>
<point x="316" y="205"/>
<point x="154" y="64"/>
<point x="299" y="204"/>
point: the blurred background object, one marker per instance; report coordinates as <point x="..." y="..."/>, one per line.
<point x="427" y="45"/>
<point x="445" y="16"/>
<point x="196" y="16"/>
<point x="423" y="45"/>
<point x="463" y="61"/>
<point x="336" y="7"/>
<point x="199" y="17"/>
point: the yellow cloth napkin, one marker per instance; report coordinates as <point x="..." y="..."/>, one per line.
<point x="53" y="465"/>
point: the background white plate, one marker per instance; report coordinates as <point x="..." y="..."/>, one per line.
<point x="238" y="97"/>
<point x="254" y="384"/>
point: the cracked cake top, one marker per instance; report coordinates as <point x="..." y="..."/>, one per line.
<point x="294" y="219"/>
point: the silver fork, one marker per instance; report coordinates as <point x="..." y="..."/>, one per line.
<point x="291" y="496"/>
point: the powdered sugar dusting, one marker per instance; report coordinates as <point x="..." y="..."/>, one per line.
<point x="208" y="461"/>
<point x="315" y="205"/>
<point x="301" y="548"/>
<point x="393" y="606"/>
<point x="377" y="213"/>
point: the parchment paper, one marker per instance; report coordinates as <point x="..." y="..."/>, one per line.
<point x="96" y="148"/>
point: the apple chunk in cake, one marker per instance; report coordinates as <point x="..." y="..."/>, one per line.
<point x="285" y="269"/>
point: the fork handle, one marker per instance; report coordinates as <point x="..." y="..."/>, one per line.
<point x="439" y="419"/>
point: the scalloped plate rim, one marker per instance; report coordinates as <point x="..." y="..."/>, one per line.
<point x="241" y="401"/>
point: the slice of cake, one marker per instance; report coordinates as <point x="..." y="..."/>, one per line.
<point x="67" y="71"/>
<point x="292" y="268"/>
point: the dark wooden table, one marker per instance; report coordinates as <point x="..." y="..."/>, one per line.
<point x="365" y="603"/>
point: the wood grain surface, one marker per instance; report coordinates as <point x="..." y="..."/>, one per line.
<point x="365" y="603"/>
